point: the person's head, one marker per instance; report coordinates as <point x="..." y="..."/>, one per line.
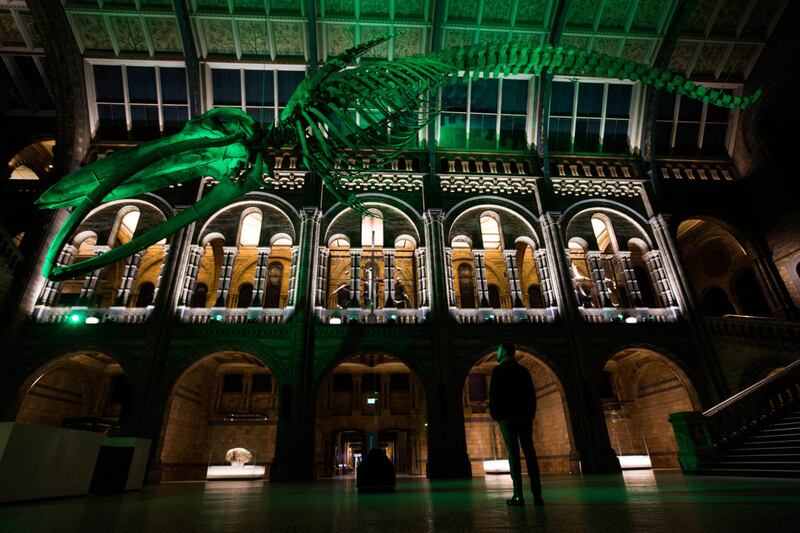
<point x="505" y="351"/>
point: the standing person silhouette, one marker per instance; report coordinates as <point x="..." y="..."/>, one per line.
<point x="512" y="403"/>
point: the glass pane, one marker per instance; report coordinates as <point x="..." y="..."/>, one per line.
<point x="484" y="96"/>
<point x="265" y="115"/>
<point x="615" y="138"/>
<point x="717" y="114"/>
<point x="666" y="105"/>
<point x="587" y="135"/>
<point x="714" y="139"/>
<point x="174" y="118"/>
<point x="454" y="97"/>
<point x="108" y="83"/>
<point x="142" y="85"/>
<point x="618" y="103"/>
<point x="226" y="86"/>
<point x="259" y="87"/>
<point x="559" y="138"/>
<point x="663" y="138"/>
<point x="173" y="85"/>
<point x="144" y="122"/>
<point x="515" y="96"/>
<point x="690" y="109"/>
<point x="287" y="82"/>
<point x="686" y="138"/>
<point x="590" y="99"/>
<point x="482" y="130"/>
<point x="453" y="133"/>
<point x="561" y="99"/>
<point x="512" y="133"/>
<point x="112" y="122"/>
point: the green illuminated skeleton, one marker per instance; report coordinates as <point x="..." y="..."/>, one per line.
<point x="391" y="96"/>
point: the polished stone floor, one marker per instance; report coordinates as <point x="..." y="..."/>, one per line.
<point x="635" y="501"/>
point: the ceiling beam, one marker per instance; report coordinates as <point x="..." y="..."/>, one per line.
<point x="311" y="35"/>
<point x="559" y="22"/>
<point x="189" y="56"/>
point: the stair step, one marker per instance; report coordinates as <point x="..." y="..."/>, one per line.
<point x="751" y="472"/>
<point x="794" y="430"/>
<point x="784" y="424"/>
<point x="766" y="449"/>
<point x="765" y="458"/>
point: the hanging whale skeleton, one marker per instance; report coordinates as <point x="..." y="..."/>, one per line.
<point x="392" y="97"/>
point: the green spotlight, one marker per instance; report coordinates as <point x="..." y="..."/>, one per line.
<point x="75" y="318"/>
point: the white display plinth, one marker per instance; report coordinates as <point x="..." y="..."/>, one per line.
<point x="497" y="466"/>
<point x="634" y="461"/>
<point x="45" y="461"/>
<point x="236" y="472"/>
<point x="141" y="451"/>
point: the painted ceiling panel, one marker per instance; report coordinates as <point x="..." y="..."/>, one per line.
<point x="157" y="3"/>
<point x="497" y="10"/>
<point x="373" y="8"/>
<point x="681" y="56"/>
<point x="493" y="37"/>
<point x="9" y="33"/>
<point x="648" y="15"/>
<point x="575" y="42"/>
<point x="709" y="58"/>
<point x="130" y="36"/>
<point x="340" y="7"/>
<point x="36" y="37"/>
<point x="454" y="38"/>
<point x="605" y="45"/>
<point x="413" y="8"/>
<point x="637" y="50"/>
<point x="761" y="17"/>
<point x="93" y="33"/>
<point x="340" y="38"/>
<point x="463" y="10"/>
<point x="373" y="32"/>
<point x="581" y="13"/>
<point x="212" y="5"/>
<point x="532" y="12"/>
<point x="289" y="39"/>
<point x="165" y="34"/>
<point x="286" y="6"/>
<point x="253" y="34"/>
<point x="739" y="59"/>
<point x="698" y="18"/>
<point x="615" y="14"/>
<point x="249" y="6"/>
<point x="409" y="43"/>
<point x="219" y="36"/>
<point x="728" y="17"/>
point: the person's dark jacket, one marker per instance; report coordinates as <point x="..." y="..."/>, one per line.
<point x="511" y="392"/>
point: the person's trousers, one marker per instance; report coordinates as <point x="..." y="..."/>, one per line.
<point x="519" y="433"/>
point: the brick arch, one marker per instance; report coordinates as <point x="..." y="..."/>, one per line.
<point x="223" y="399"/>
<point x="552" y="428"/>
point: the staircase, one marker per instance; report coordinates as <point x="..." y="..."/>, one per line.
<point x="773" y="451"/>
<point x="753" y="433"/>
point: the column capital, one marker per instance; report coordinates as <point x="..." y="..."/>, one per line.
<point x="433" y="215"/>
<point x="310" y="213"/>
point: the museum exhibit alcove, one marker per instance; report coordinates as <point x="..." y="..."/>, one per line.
<point x="86" y="390"/>
<point x="223" y="402"/>
<point x="552" y="433"/>
<point x="640" y="389"/>
<point x="370" y="400"/>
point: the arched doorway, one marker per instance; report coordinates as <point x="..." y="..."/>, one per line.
<point x="642" y="388"/>
<point x="225" y="401"/>
<point x="86" y="390"/>
<point x="552" y="434"/>
<point x="370" y="400"/>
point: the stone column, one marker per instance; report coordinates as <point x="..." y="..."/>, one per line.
<point x="448" y="267"/>
<point x="631" y="283"/>
<point x="432" y="266"/>
<point x="480" y="275"/>
<point x="656" y="266"/>
<point x="670" y="254"/>
<point x="513" y="278"/>
<point x="598" y="276"/>
<point x="161" y="271"/>
<point x="545" y="282"/>
<point x="228" y="256"/>
<point x="560" y="273"/>
<point x="51" y="288"/>
<point x="355" y="279"/>
<point x="90" y="282"/>
<point x="190" y="277"/>
<point x="292" y="300"/>
<point x="259" y="281"/>
<point x="388" y="278"/>
<point x="129" y="273"/>
<point x="322" y="278"/>
<point x="422" y="277"/>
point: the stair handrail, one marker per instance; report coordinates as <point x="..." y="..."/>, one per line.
<point x="788" y="369"/>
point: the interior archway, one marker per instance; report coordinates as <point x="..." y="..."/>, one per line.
<point x="371" y="400"/>
<point x="224" y="401"/>
<point x="552" y="434"/>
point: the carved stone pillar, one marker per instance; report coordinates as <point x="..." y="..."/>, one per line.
<point x="161" y="270"/>
<point x="388" y="278"/>
<point x="559" y="265"/>
<point x="292" y="300"/>
<point x="513" y="278"/>
<point x="90" y="282"/>
<point x="355" y="279"/>
<point x="259" y="281"/>
<point x="480" y="275"/>
<point x="598" y="276"/>
<point x="670" y="254"/>
<point x="631" y="283"/>
<point x="420" y="256"/>
<point x="322" y="277"/>
<point x="663" y="289"/>
<point x="51" y="288"/>
<point x="545" y="282"/>
<point x="448" y="268"/>
<point x="190" y="278"/>
<point x="129" y="272"/>
<point x="225" y="273"/>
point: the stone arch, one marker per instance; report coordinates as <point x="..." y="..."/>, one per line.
<point x="552" y="430"/>
<point x="641" y="387"/>
<point x="370" y="399"/>
<point x="224" y="400"/>
<point x="82" y="390"/>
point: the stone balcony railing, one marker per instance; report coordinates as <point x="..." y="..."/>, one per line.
<point x="371" y="316"/>
<point x="87" y="315"/>
<point x="257" y="315"/>
<point x="504" y="316"/>
<point x="631" y="315"/>
<point x="755" y="329"/>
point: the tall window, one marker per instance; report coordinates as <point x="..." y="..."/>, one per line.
<point x="490" y="231"/>
<point x="466" y="287"/>
<point x="272" y="298"/>
<point x="590" y="117"/>
<point x="250" y="230"/>
<point x="685" y="126"/>
<point x="245" y="296"/>
<point x="372" y="229"/>
<point x="262" y="93"/>
<point x="139" y="102"/>
<point x="486" y="114"/>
